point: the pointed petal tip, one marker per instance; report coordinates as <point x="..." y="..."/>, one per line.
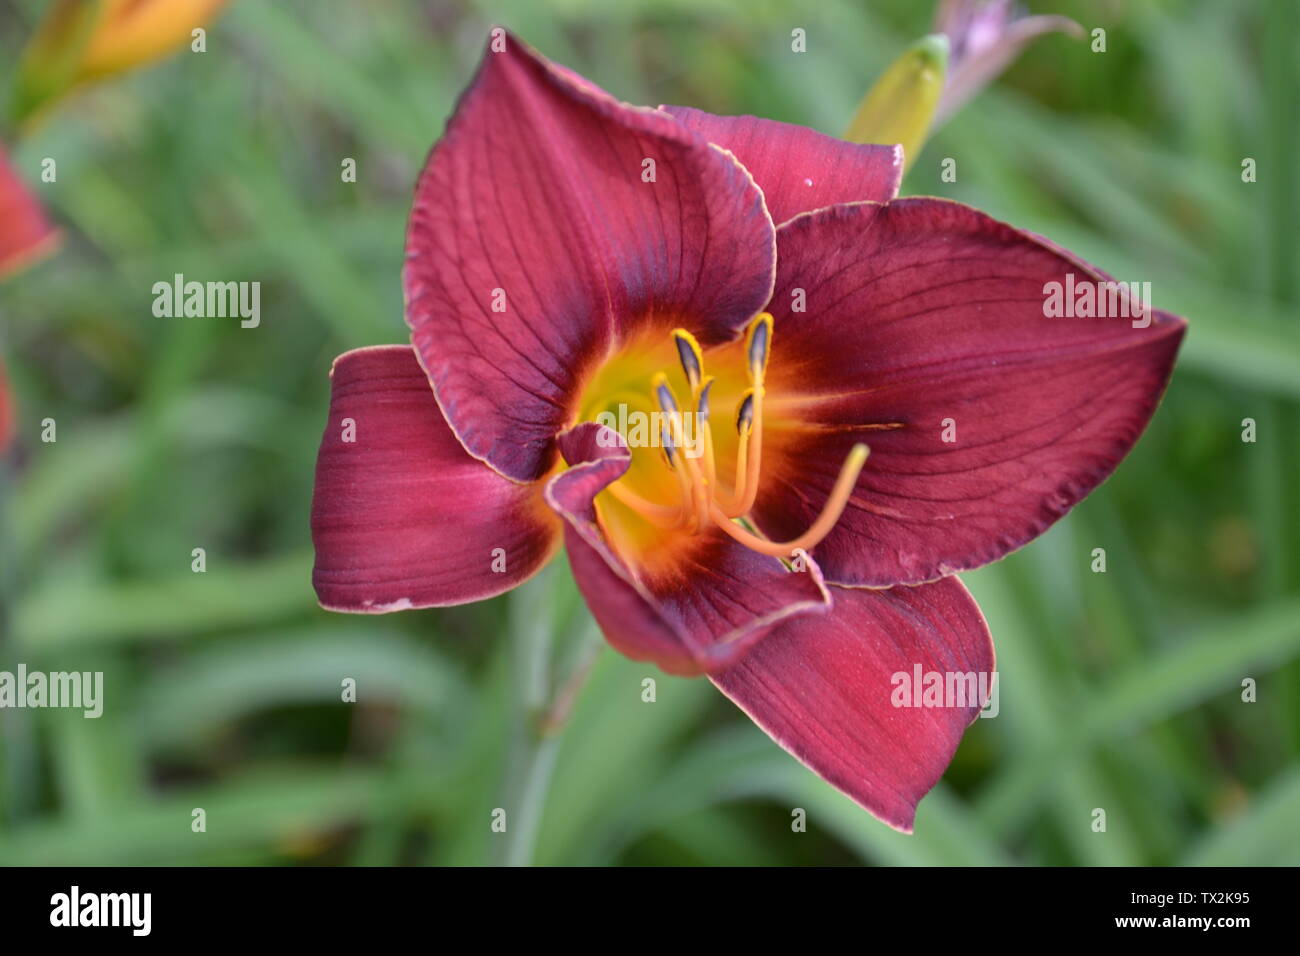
<point x="1014" y="384"/>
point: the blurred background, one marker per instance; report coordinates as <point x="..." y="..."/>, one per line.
<point x="1120" y="690"/>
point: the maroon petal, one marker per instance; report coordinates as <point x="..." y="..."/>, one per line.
<point x="797" y="168"/>
<point x="402" y="516"/>
<point x="923" y="314"/>
<point x="536" y="201"/>
<point x="827" y="689"/>
<point x="704" y="613"/>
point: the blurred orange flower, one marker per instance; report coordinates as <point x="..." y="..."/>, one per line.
<point x="81" y="41"/>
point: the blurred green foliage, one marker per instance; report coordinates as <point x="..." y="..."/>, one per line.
<point x="1119" y="690"/>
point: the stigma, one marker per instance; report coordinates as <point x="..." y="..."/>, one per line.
<point x="704" y="499"/>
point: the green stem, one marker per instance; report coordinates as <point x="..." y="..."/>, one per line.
<point x="533" y="768"/>
<point x="540" y="712"/>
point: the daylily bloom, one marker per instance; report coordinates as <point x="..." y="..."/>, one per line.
<point x="26" y="235"/>
<point x="82" y="41"/>
<point x="572" y="259"/>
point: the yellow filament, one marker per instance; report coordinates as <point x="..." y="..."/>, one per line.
<point x="710" y="463"/>
<point x="701" y="496"/>
<point x="756" y="367"/>
<point x="755" y="453"/>
<point x="706" y="432"/>
<point x="734" y="509"/>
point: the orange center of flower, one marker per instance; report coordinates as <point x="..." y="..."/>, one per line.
<point x="686" y="476"/>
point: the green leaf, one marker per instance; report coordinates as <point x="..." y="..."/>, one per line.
<point x="68" y="612"/>
<point x="1198" y="668"/>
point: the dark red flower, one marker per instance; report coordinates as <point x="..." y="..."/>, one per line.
<point x="25" y="236"/>
<point x="25" y="232"/>
<point x="574" y="262"/>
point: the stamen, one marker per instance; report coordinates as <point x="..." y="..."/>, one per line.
<point x="755" y="463"/>
<point x="830" y="514"/>
<point x="664" y="394"/>
<point x="695" y="490"/>
<point x="745" y="428"/>
<point x="706" y="433"/>
<point x="668" y="447"/>
<point x="688" y="513"/>
<point x="700" y="501"/>
<point x="733" y="509"/>
<point x="745" y="413"/>
<point x="702" y="403"/>
<point x="758" y="346"/>
<point x="688" y="351"/>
